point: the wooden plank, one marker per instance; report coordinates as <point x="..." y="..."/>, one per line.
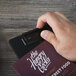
<point x="24" y="13"/>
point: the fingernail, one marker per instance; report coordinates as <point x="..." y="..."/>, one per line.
<point x="44" y="34"/>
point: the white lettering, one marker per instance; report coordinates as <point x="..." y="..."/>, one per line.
<point x="61" y="68"/>
<point x="41" y="61"/>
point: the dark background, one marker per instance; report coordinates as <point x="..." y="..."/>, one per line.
<point x="17" y="16"/>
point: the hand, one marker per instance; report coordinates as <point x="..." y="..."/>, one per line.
<point x="64" y="37"/>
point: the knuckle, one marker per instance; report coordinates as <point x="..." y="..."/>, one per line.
<point x="49" y="13"/>
<point x="56" y="12"/>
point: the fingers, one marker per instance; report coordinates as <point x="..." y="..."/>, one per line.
<point x="61" y="15"/>
<point x="50" y="37"/>
<point x="51" y="19"/>
<point x="63" y="19"/>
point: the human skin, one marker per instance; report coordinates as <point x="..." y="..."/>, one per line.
<point x="64" y="37"/>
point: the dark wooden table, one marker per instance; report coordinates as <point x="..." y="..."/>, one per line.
<point x="17" y="16"/>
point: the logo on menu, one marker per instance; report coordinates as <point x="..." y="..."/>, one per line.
<point x="39" y="60"/>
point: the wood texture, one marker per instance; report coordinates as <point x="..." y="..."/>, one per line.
<point x="17" y="16"/>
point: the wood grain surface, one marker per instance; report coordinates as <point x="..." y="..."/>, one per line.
<point x="17" y="16"/>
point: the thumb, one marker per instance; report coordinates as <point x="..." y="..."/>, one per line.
<point x="50" y="37"/>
